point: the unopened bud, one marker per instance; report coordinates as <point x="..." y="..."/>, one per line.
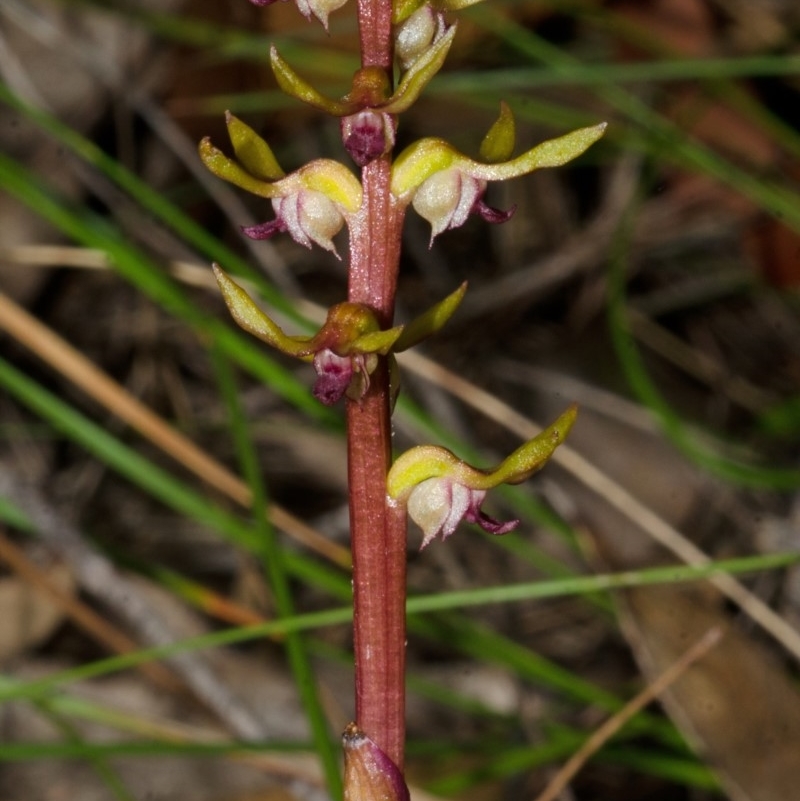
<point x="367" y="135"/>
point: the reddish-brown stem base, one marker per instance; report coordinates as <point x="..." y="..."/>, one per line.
<point x="378" y="531"/>
<point x="379" y="578"/>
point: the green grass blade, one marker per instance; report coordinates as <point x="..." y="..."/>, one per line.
<point x="644" y="388"/>
<point x="94" y="231"/>
<point x="275" y="571"/>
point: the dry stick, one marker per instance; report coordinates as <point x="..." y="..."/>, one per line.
<point x="611" y="492"/>
<point x="82" y="615"/>
<point x="60" y="355"/>
<point x="635" y="705"/>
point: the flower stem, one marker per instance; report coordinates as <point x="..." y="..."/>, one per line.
<point x="378" y="531"/>
<point x="375" y="31"/>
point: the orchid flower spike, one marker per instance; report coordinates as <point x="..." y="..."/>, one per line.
<point x="311" y="204"/>
<point x="345" y="350"/>
<point x="445" y="186"/>
<point x="439" y="490"/>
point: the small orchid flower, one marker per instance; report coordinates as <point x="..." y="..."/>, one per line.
<point x="311" y="204"/>
<point x="445" y="187"/>
<point x="308" y="8"/>
<point x="345" y="350"/>
<point x="439" y="490"/>
<point x="369" y="774"/>
<point x="368" y="110"/>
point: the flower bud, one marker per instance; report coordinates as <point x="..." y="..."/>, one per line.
<point x="369" y="774"/>
<point x="416" y="34"/>
<point x="367" y="135"/>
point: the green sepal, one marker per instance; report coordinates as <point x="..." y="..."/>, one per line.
<point x="349" y="327"/>
<point x="552" y="153"/>
<point x="377" y="341"/>
<point x="415" y="79"/>
<point x="403" y="9"/>
<point x="430" y="321"/>
<point x="292" y="84"/>
<point x="229" y="170"/>
<point x="421" y="159"/>
<point x="252" y="151"/>
<point x="498" y="144"/>
<point x="533" y="455"/>
<point x="431" y="461"/>
<point x="248" y="316"/>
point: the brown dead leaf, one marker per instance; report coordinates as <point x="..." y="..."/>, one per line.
<point x="29" y="617"/>
<point x="736" y="706"/>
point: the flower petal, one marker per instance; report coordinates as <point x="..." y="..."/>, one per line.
<point x="252" y="151"/>
<point x="552" y="153"/>
<point x="431" y="321"/>
<point x="264" y="230"/>
<point x="334" y="374"/>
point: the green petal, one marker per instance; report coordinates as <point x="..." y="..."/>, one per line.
<point x="552" y="153"/>
<point x="329" y="177"/>
<point x="377" y="341"/>
<point x="417" y="465"/>
<point x="498" y="144"/>
<point x="229" y="170"/>
<point x="403" y="9"/>
<point x="247" y="314"/>
<point x="252" y="151"/>
<point x="424" y="68"/>
<point x="431" y="321"/>
<point x="291" y="83"/>
<point x="430" y="461"/>
<point x="456" y="5"/>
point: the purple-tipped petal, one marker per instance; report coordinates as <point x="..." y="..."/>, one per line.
<point x="369" y="774"/>
<point x="489" y="524"/>
<point x="264" y="230"/>
<point x="491" y="214"/>
<point x="334" y="374"/>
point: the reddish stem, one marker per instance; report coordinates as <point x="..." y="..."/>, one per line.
<point x="375" y="31"/>
<point x="378" y="531"/>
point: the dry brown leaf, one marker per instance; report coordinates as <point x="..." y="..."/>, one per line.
<point x="29" y="617"/>
<point x="736" y="706"/>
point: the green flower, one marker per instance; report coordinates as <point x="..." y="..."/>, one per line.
<point x="445" y="186"/>
<point x="311" y="204"/>
<point x="345" y="350"/>
<point x="439" y="490"/>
